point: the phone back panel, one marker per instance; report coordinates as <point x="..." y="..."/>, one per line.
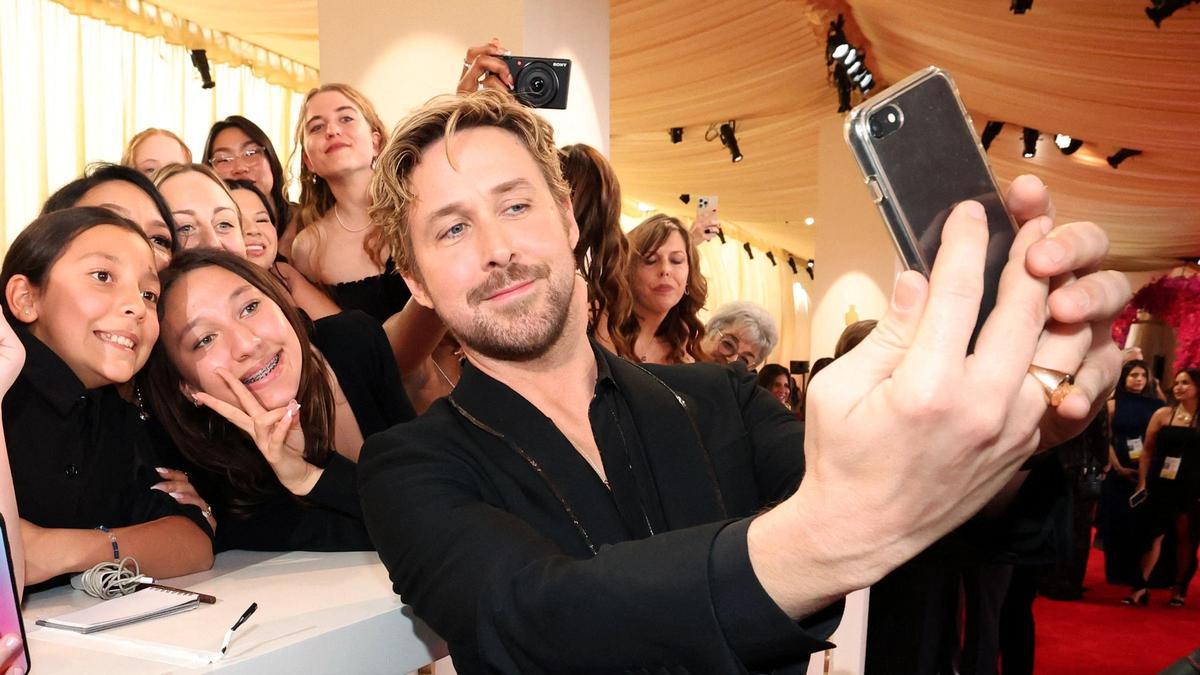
<point x="923" y="169"/>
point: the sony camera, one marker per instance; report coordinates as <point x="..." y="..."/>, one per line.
<point x="540" y="82"/>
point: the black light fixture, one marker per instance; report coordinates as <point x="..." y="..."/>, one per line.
<point x="771" y="257"/>
<point x="1115" y="159"/>
<point x="990" y="131"/>
<point x="676" y="134"/>
<point x="746" y="248"/>
<point x="1161" y="9"/>
<point x="1020" y="6"/>
<point x="808" y="267"/>
<point x="1066" y="144"/>
<point x="847" y="65"/>
<point x="729" y="140"/>
<point x="200" y="61"/>
<point x="685" y="198"/>
<point x="792" y="264"/>
<point x="1030" y="139"/>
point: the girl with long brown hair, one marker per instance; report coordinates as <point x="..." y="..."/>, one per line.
<point x="668" y="291"/>
<point x="603" y="251"/>
<point x="271" y="411"/>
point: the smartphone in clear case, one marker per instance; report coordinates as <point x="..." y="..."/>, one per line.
<point x="919" y="154"/>
<point x="11" y="622"/>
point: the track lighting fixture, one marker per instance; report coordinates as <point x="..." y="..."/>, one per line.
<point x="1115" y="159"/>
<point x="1030" y="138"/>
<point x="990" y="131"/>
<point x="729" y="140"/>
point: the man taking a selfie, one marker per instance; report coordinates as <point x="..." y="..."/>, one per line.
<point x="565" y="511"/>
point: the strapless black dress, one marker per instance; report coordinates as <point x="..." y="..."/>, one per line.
<point x="380" y="296"/>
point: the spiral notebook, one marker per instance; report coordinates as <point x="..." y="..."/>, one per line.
<point x="148" y="603"/>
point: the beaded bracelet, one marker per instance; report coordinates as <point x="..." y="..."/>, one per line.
<point x="112" y="538"/>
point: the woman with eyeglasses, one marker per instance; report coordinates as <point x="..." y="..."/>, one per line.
<point x="740" y="331"/>
<point x="668" y="291"/>
<point x="238" y="149"/>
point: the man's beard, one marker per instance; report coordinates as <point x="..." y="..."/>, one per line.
<point x="521" y="331"/>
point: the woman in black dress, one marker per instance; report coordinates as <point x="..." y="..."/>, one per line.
<point x="1170" y="469"/>
<point x="272" y="415"/>
<point x="1129" y="413"/>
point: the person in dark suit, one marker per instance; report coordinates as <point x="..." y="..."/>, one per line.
<point x="564" y="511"/>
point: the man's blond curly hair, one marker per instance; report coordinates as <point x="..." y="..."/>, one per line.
<point x="392" y="193"/>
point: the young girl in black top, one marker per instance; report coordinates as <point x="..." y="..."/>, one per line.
<point x="274" y="419"/>
<point x="80" y="290"/>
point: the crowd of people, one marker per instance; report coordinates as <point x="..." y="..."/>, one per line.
<point x="448" y="351"/>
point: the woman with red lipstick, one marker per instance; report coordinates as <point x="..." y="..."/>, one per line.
<point x="80" y="291"/>
<point x="262" y="249"/>
<point x="271" y="415"/>
<point x="668" y="291"/>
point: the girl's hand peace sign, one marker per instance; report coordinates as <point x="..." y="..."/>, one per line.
<point x="276" y="433"/>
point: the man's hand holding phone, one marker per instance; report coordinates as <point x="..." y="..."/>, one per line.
<point x="925" y="434"/>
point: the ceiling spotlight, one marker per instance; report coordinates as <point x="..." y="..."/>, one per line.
<point x="810" y="221"/>
<point x="840" y="51"/>
<point x="847" y="65"/>
<point x="808" y="267"/>
<point x="1030" y="137"/>
<point x="685" y="198"/>
<point x="850" y="56"/>
<point x="1021" y="6"/>
<point x="792" y="264"/>
<point x="1161" y="9"/>
<point x="1067" y="144"/>
<point x="771" y="257"/>
<point x="854" y="68"/>
<point x="746" y="248"/>
<point x="1121" y="155"/>
<point x="990" y="131"/>
<point x="676" y="134"/>
<point x="644" y="207"/>
<point x="865" y="84"/>
<point x="729" y="140"/>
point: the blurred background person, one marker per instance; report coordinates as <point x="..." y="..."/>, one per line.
<point x="777" y="380"/>
<point x="668" y="291"/>
<point x="1118" y="526"/>
<point x="741" y="330"/>
<point x="1169" y="469"/>
<point x="152" y="148"/>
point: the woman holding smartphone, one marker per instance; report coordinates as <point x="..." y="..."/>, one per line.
<point x="80" y="291"/>
<point x="272" y="415"/>
<point x="1170" y="468"/>
<point x="1129" y="411"/>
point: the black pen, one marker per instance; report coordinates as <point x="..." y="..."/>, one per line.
<point x="241" y="620"/>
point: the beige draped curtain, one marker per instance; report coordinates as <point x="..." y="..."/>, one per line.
<point x="73" y="90"/>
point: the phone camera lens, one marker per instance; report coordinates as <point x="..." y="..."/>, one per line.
<point x="885" y="121"/>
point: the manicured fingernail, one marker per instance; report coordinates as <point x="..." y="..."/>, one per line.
<point x="1052" y="250"/>
<point x="161" y="470"/>
<point x="973" y="209"/>
<point x="12" y="642"/>
<point x="176" y="495"/>
<point x="158" y="487"/>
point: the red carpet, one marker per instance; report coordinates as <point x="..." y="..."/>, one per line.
<point x="1100" y="635"/>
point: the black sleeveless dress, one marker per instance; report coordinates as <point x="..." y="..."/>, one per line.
<point x="1125" y="531"/>
<point x="380" y="296"/>
<point x="1171" y="497"/>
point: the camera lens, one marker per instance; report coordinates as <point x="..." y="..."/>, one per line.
<point x="885" y="121"/>
<point x="537" y="85"/>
